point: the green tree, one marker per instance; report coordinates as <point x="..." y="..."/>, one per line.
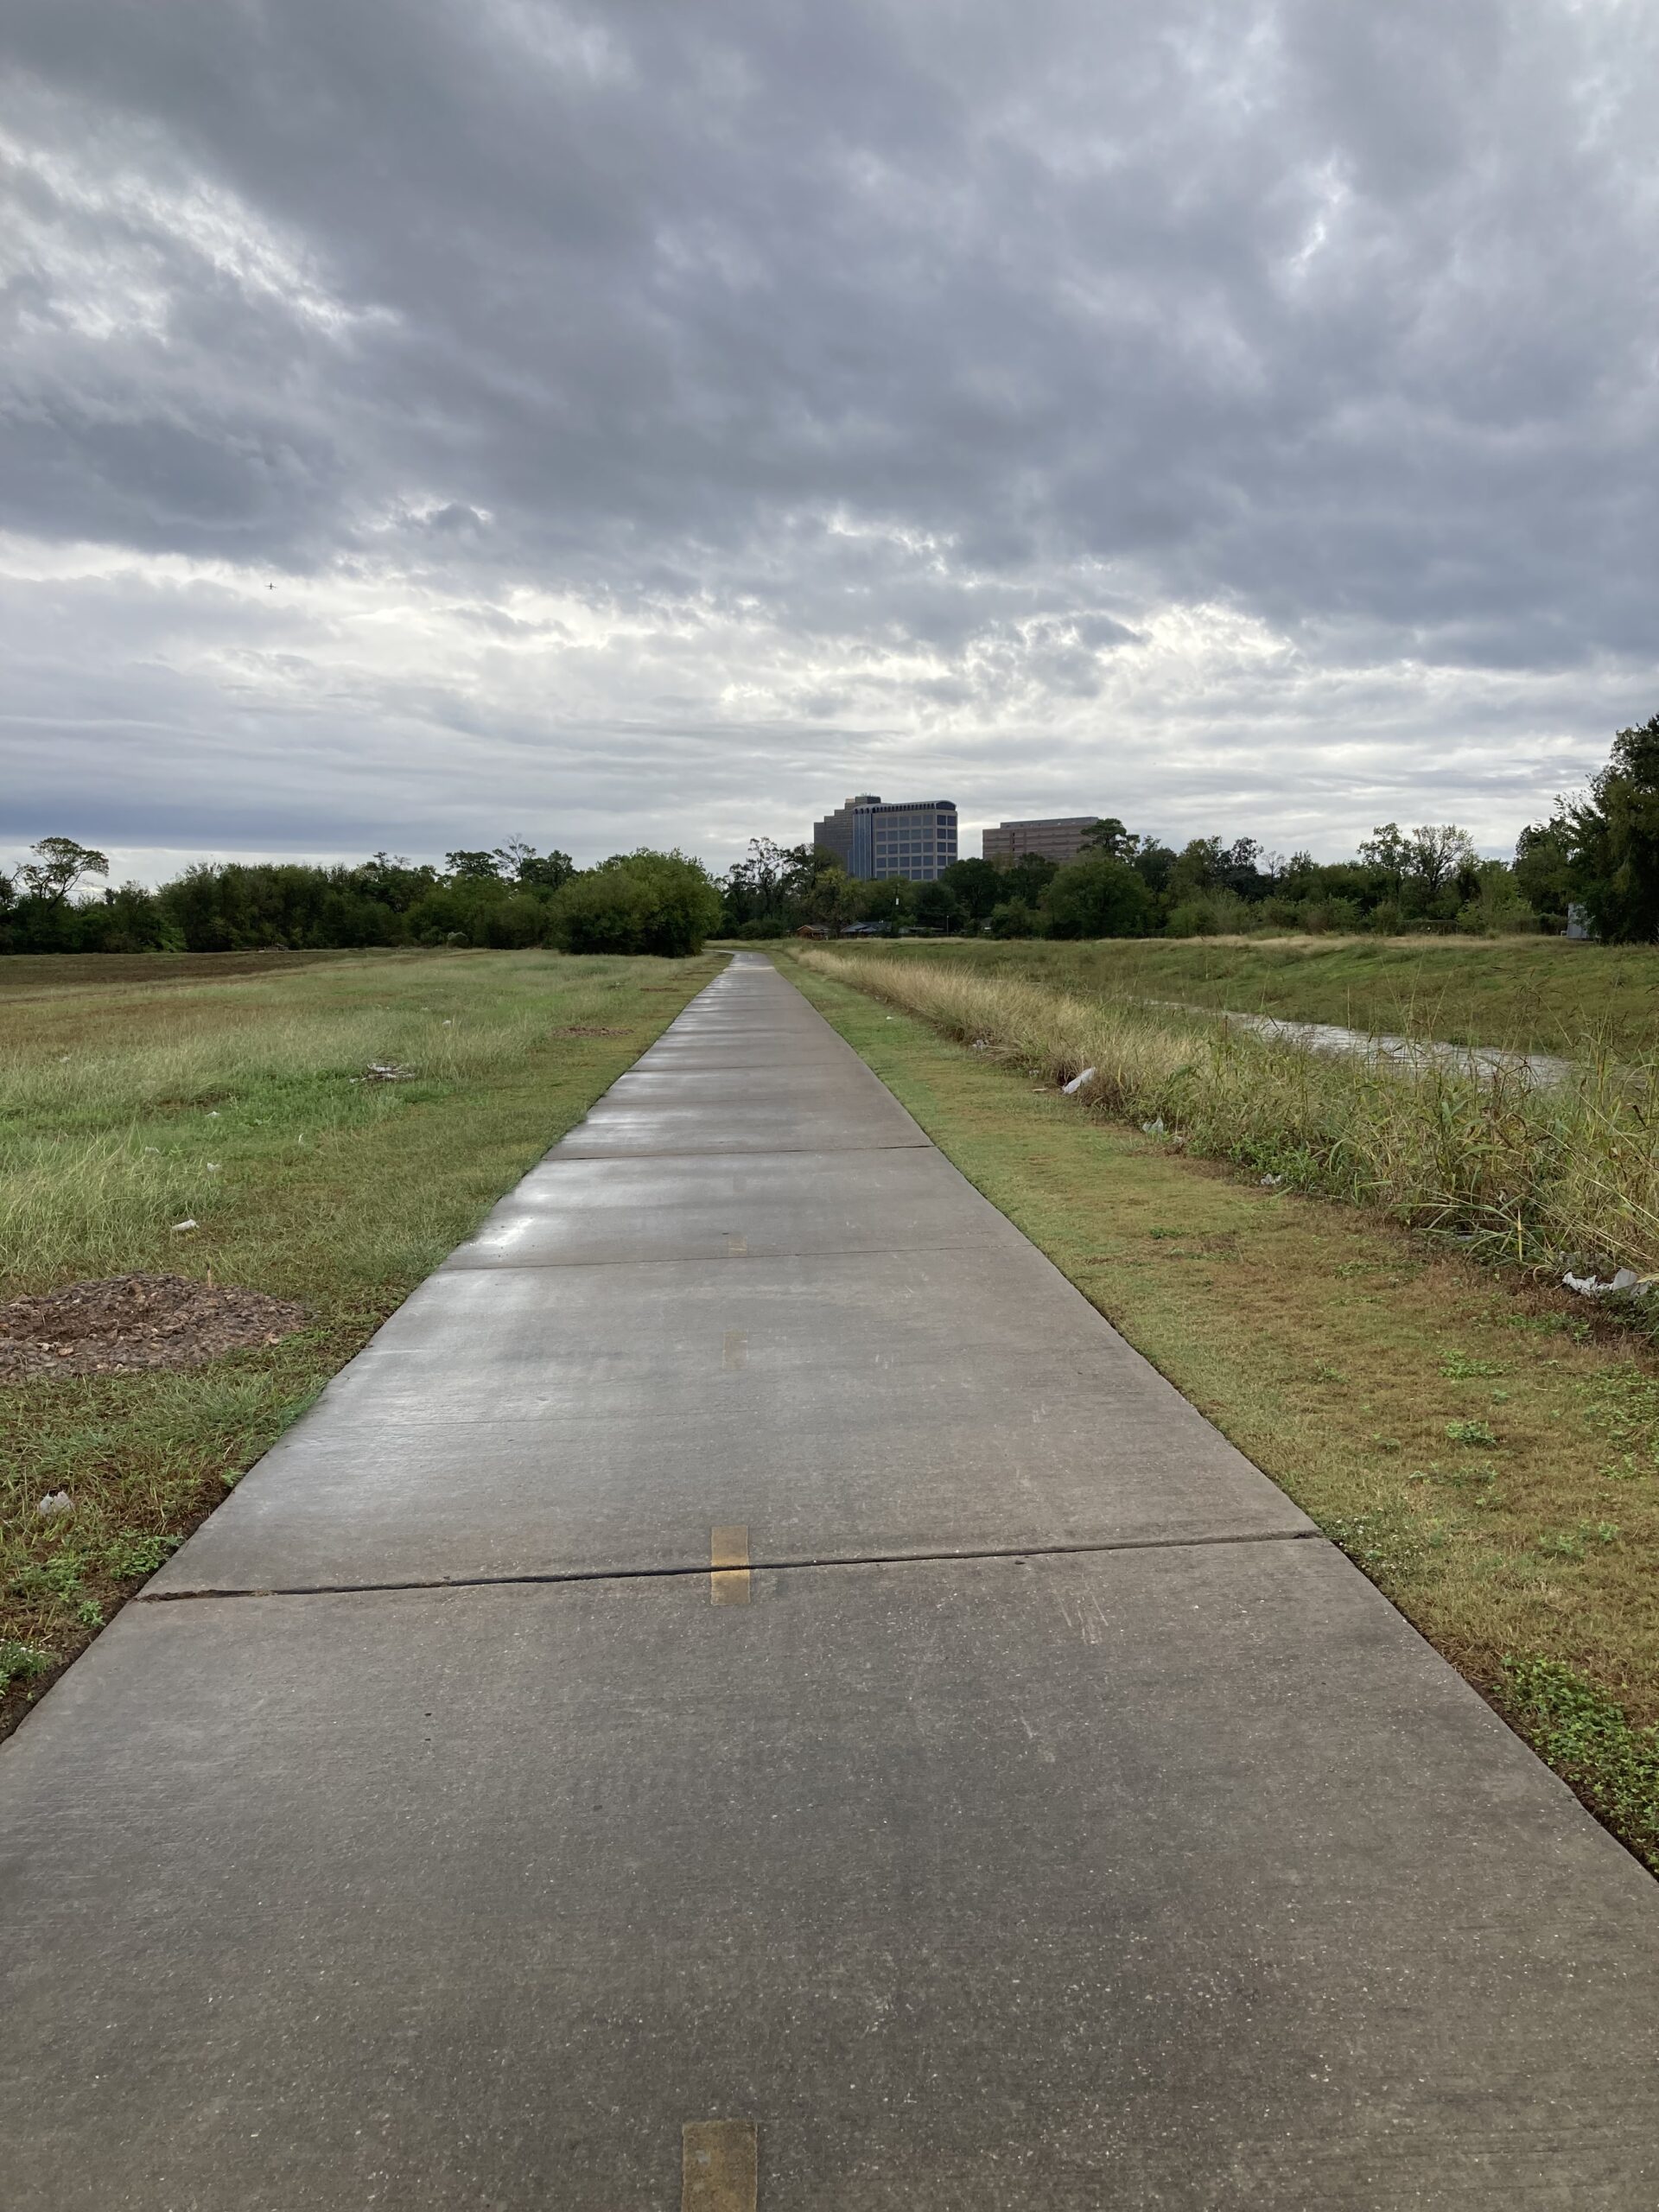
<point x="1098" y="896"/>
<point x="1025" y="882"/>
<point x="645" y="901"/>
<point x="936" y="907"/>
<point x="1436" y="854"/>
<point x="58" y="864"/>
<point x="536" y="871"/>
<point x="1110" y="836"/>
<point x="975" y="885"/>
<point x="770" y="886"/>
<point x="1613" y="834"/>
<point x="1387" y="851"/>
<point x="476" y="866"/>
<point x="1014" y="918"/>
<point x="1197" y="867"/>
<point x="1543" y="869"/>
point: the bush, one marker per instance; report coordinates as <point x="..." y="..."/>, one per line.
<point x="637" y="902"/>
<point x="1219" y="913"/>
<point x="1013" y="918"/>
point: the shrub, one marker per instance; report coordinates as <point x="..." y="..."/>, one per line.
<point x="637" y="902"/>
<point x="1012" y="918"/>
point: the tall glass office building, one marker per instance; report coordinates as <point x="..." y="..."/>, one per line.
<point x="873" y="837"/>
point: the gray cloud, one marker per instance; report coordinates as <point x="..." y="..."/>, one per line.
<point x="640" y="420"/>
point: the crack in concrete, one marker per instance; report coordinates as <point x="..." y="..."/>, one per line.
<point x="1019" y="1554"/>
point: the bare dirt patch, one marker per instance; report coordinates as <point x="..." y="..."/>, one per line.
<point x="129" y="1323"/>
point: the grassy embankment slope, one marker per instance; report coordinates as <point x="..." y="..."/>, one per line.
<point x="1538" y="994"/>
<point x="229" y="1092"/>
<point x="1486" y="1452"/>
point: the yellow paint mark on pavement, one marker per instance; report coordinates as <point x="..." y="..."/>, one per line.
<point x="737" y="1348"/>
<point x="718" y="2166"/>
<point x="736" y="1247"/>
<point x="728" y="1566"/>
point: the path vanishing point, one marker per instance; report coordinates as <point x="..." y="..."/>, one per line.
<point x="748" y="1693"/>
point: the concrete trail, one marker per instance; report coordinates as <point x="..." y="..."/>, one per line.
<point x="747" y="1647"/>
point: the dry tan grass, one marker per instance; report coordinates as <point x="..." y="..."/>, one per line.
<point x="1532" y="1172"/>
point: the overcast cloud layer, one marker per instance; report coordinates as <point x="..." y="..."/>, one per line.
<point x="651" y="422"/>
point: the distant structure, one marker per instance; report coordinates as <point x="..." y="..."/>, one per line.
<point x="873" y="837"/>
<point x="1059" y="838"/>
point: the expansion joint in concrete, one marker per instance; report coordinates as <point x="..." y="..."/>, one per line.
<point x="1016" y="1555"/>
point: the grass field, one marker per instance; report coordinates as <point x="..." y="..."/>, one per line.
<point x="1553" y="1174"/>
<point x="1540" y="994"/>
<point x="1488" y="1453"/>
<point x="231" y="1092"/>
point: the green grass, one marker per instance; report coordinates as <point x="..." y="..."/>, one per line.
<point x="1588" y="1738"/>
<point x="1537" y="993"/>
<point x="1486" y="1451"/>
<point x="232" y="1093"/>
<point x="1545" y="1174"/>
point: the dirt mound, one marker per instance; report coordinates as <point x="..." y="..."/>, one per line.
<point x="134" y="1322"/>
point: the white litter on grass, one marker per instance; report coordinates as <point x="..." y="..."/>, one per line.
<point x="1153" y="1128"/>
<point x="1076" y="1083"/>
<point x="386" y="1072"/>
<point x="55" y="1501"/>
<point x="213" y="1113"/>
<point x="212" y="1167"/>
<point x="1271" y="1182"/>
<point x="1625" y="1283"/>
<point x="178" y="1225"/>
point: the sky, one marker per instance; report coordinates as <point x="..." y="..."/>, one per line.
<point x="421" y="424"/>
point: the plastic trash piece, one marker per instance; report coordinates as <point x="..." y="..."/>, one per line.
<point x="1076" y="1083"/>
<point x="1625" y="1282"/>
<point x="178" y="1225"/>
<point x="54" y="1502"/>
<point x="1153" y="1128"/>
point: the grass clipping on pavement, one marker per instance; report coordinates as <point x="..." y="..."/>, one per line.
<point x="1486" y="1452"/>
<point x="237" y="1097"/>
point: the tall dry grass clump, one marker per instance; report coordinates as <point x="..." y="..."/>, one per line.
<point x="1518" y="1168"/>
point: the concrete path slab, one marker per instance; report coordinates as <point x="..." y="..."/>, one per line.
<point x="619" y="1475"/>
<point x="754" y="1205"/>
<point x="1182" y="1878"/>
<point x="1146" y="1860"/>
<point x="646" y="1126"/>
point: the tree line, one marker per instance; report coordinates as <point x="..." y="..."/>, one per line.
<point x="1125" y="885"/>
<point x="509" y="896"/>
<point x="1598" y="852"/>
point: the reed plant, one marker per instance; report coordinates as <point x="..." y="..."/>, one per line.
<point x="1542" y="1172"/>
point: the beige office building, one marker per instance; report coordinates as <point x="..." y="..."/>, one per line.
<point x="1059" y="839"/>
